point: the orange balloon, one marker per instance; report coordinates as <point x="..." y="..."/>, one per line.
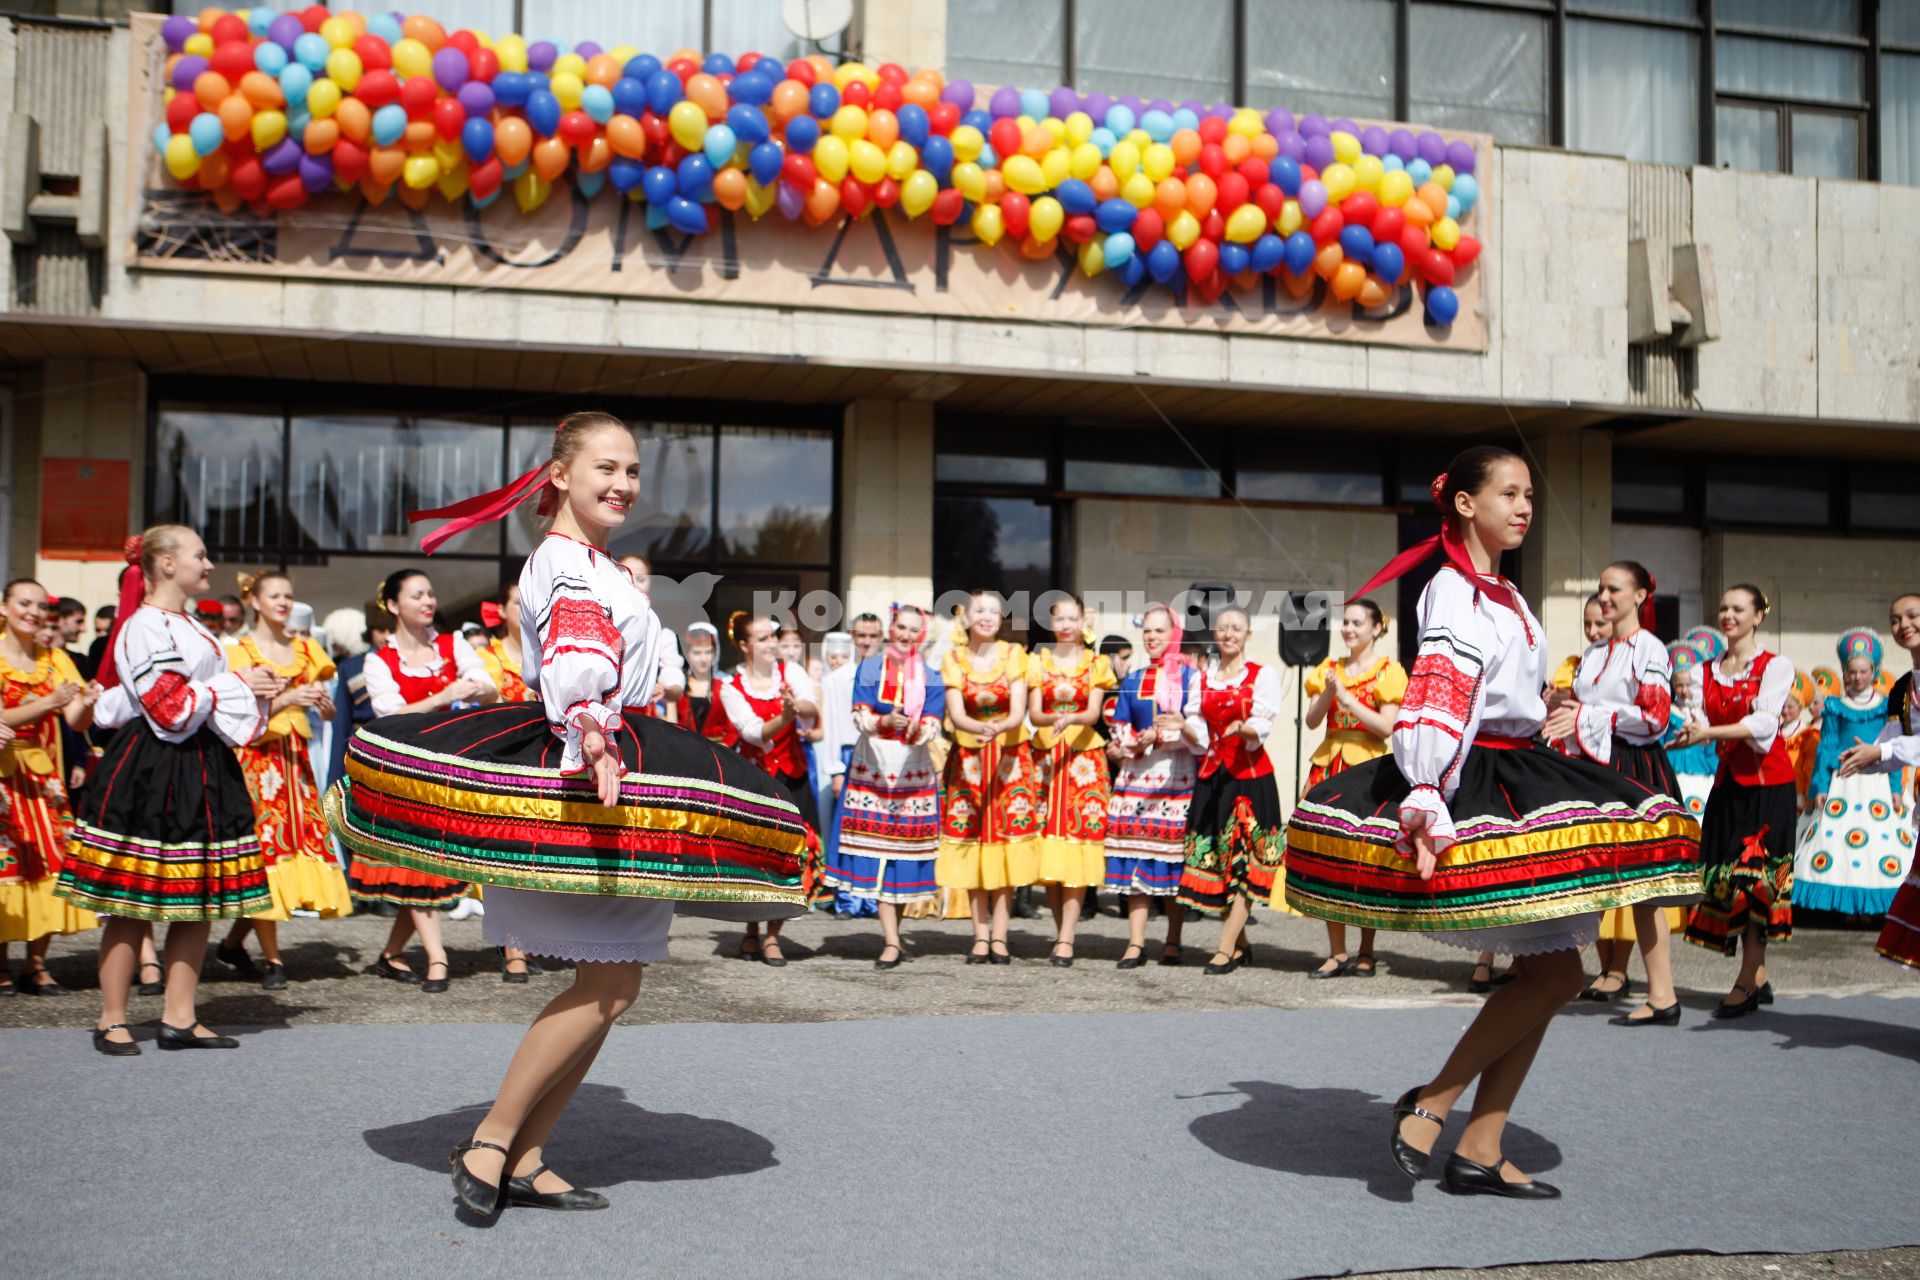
<point x="883" y="128"/>
<point x="420" y="136"/>
<point x="211" y="88"/>
<point x="789" y="100"/>
<point x="1035" y="250"/>
<point x="823" y="201"/>
<point x="707" y="93"/>
<point x="321" y="137"/>
<point x="1434" y="196"/>
<point x="354" y="119"/>
<point x="384" y="165"/>
<point x="1297" y="286"/>
<point x="1375" y="294"/>
<point x="596" y="155"/>
<point x="996" y="186"/>
<point x="236" y="120"/>
<point x="214" y="171"/>
<point x="1186" y="147"/>
<point x="1170" y="197"/>
<point x="1036" y="142"/>
<point x="1348" y="277"/>
<point x="1266" y="146"/>
<point x="415" y="198"/>
<point x="513" y="140"/>
<point x="1201" y="194"/>
<point x="602" y="70"/>
<point x="1105" y="185"/>
<point x="1236" y="147"/>
<point x="624" y="135"/>
<point x="550" y="156"/>
<point x="921" y="93"/>
<point x="262" y="90"/>
<point x="425" y="30"/>
<point x="225" y="197"/>
<point x="730" y="189"/>
<point x="1329" y="260"/>
<point x="375" y="193"/>
<point x="1417" y="213"/>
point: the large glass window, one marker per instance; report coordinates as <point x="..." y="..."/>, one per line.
<point x="1306" y="55"/>
<point x="218" y="472"/>
<point x="658" y="26"/>
<point x="971" y="453"/>
<point x="354" y="477"/>
<point x="1150" y="462"/>
<point x="495" y="17"/>
<point x="1180" y="52"/>
<point x="1479" y="69"/>
<point x="1801" y="17"/>
<point x="1879" y="498"/>
<point x="1900" y="117"/>
<point x="1768" y="115"/>
<point x="1005" y="544"/>
<point x="776" y="495"/>
<point x="1633" y="91"/>
<point x="1778" y="494"/>
<point x="1007" y="42"/>
<point x="1341" y="472"/>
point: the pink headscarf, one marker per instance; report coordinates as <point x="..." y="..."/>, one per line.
<point x="913" y="668"/>
<point x="1167" y="693"/>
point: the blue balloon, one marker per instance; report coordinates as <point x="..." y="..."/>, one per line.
<point x="772" y="68"/>
<point x="1388" y="261"/>
<point x="597" y="101"/>
<point x="510" y="89"/>
<point x="1284" y="172"/>
<point x="1443" y="304"/>
<point x="719" y="145"/>
<point x="695" y="177"/>
<point x="1163" y="261"/>
<point x="161" y="136"/>
<point x="717" y="64"/>
<point x="659" y="184"/>
<point x="685" y="215"/>
<point x="1300" y="251"/>
<point x="205" y="133"/>
<point x="590" y="183"/>
<point x="1234" y="258"/>
<point x="268" y="56"/>
<point x="988" y="158"/>
<point x="1466" y="189"/>
<point x="1103" y="138"/>
<point x="1034" y="103"/>
<point x="915" y="127"/>
<point x="629" y="95"/>
<point x="260" y="21"/>
<point x="802" y="133"/>
<point x="823" y="100"/>
<point x="1134" y="270"/>
<point x="514" y="171"/>
<point x="1185" y="119"/>
<point x="543" y="112"/>
<point x="753" y="88"/>
<point x="981" y="120"/>
<point x="389" y="124"/>
<point x="749" y="124"/>
<point x="386" y="26"/>
<point x="1117" y="249"/>
<point x="641" y="67"/>
<point x="480" y="203"/>
<point x="1392" y="163"/>
<point x="1269" y="251"/>
<point x="625" y="174"/>
<point x="936" y="157"/>
<point x="1356" y="243"/>
<point x="656" y="217"/>
<point x="663" y="90"/>
<point x="477" y="137"/>
<point x="298" y="118"/>
<point x="311" y="51"/>
<point x="1158" y="124"/>
<point x="764" y="162"/>
<point x="538" y="80"/>
<point x="1420" y="171"/>
<point x="1076" y="197"/>
<point x="1115" y="215"/>
<point x="295" y="80"/>
<point x="1120" y="119"/>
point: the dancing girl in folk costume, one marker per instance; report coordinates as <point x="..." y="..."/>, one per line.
<point x="1897" y="751"/>
<point x="40" y="691"/>
<point x="1234" y="839"/>
<point x="1357" y="699"/>
<point x="1746" y="839"/>
<point x="1152" y="786"/>
<point x="1622" y="698"/>
<point x="420" y="670"/>
<point x="1858" y="844"/>
<point x="165" y="829"/>
<point x="990" y="813"/>
<point x="890" y="801"/>
<point x="1474" y="833"/>
<point x="301" y="872"/>
<point x="765" y="702"/>
<point x="587" y="820"/>
<point x="1066" y="683"/>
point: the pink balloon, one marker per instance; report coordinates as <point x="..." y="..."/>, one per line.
<point x="1313" y="198"/>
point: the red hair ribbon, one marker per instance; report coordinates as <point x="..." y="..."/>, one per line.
<point x="1449" y="542"/>
<point x="480" y="509"/>
<point x="1646" y="606"/>
<point x="490" y="616"/>
<point x="133" y="591"/>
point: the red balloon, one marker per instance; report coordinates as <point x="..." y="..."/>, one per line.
<point x="484" y="179"/>
<point x="1326" y="226"/>
<point x="181" y="111"/>
<point x="576" y="127"/>
<point x="799" y="172"/>
<point x="483" y="65"/>
<point x="1271" y="200"/>
<point x="1413" y="245"/>
<point x="1359" y="209"/>
<point x="1437" y="266"/>
<point x="350" y="160"/>
<point x="891" y="73"/>
<point x="1149" y="229"/>
<point x="747" y="61"/>
<point x="1387" y="226"/>
<point x="465" y="42"/>
<point x="658" y="133"/>
<point x="1255" y="171"/>
<point x="888" y="96"/>
<point x="449" y="115"/>
<point x="287" y="192"/>
<point x="1005" y="137"/>
<point x="1213" y="129"/>
<point x="802" y="70"/>
<point x="1202" y="259"/>
<point x="1015" y="212"/>
<point x="685" y="68"/>
<point x="417" y="96"/>
<point x="378" y="88"/>
<point x="1210" y="288"/>
<point x="944" y="118"/>
<point x="232" y="61"/>
<point x="1308" y="173"/>
<point x="1213" y="161"/>
<point x="374" y="53"/>
<point x="227" y="28"/>
<point x="1079" y="229"/>
<point x="857" y="95"/>
<point x="1234" y="191"/>
<point x="312" y="16"/>
<point x="947" y="207"/>
<point x="248" y="176"/>
<point x="1214" y="226"/>
<point x="854" y="196"/>
<point x="1465" y="252"/>
<point x="673" y="153"/>
<point x="886" y="193"/>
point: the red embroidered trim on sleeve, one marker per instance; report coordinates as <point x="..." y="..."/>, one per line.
<point x="1436" y="684"/>
<point x="580" y="626"/>
<point x="170" y="700"/>
<point x="1654" y="703"/>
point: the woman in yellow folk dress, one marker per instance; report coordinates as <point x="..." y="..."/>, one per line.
<point x="39" y="687"/>
<point x="1358" y="698"/>
<point x="990" y="814"/>
<point x="301" y="872"/>
<point x="1064" y="687"/>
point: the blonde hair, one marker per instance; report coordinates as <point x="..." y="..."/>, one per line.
<point x="160" y="540"/>
<point x="568" y="439"/>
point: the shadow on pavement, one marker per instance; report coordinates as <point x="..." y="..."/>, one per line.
<point x="1826" y="1031"/>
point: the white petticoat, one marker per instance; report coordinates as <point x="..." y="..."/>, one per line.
<point x="578" y="926"/>
<point x="1566" y="933"/>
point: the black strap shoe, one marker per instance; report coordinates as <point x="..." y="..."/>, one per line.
<point x="38" y="982"/>
<point x="1667" y="1017"/>
<point x="1215" y="968"/>
<point x="1059" y="961"/>
<point x="184" y="1038"/>
<point x="1002" y="956"/>
<point x="1463" y="1177"/>
<point x="1412" y="1160"/>
<point x="273" y="977"/>
<point x="1365" y="966"/>
<point x="520" y="1191"/>
<point x="236" y="959"/>
<point x="1130" y="960"/>
<point x="1171" y="957"/>
<point x="158" y="987"/>
<point x="507" y="973"/>
<point x="434" y="986"/>
<point x="1739" y="1009"/>
<point x="384" y="967"/>
<point x="482" y="1198"/>
<point x="978" y="957"/>
<point x="1478" y="985"/>
<point x="115" y="1048"/>
<point x="883" y="964"/>
<point x="1341" y="968"/>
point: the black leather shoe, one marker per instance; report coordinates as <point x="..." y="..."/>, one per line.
<point x="236" y="959"/>
<point x="1480" y="986"/>
<point x="183" y="1038"/>
<point x="384" y="967"/>
<point x="7" y="986"/>
<point x="1171" y="957"/>
<point x="114" y="1048"/>
<point x="1365" y="966"/>
<point x="881" y="964"/>
<point x="1667" y="1017"/>
<point x="1412" y="1160"/>
<point x="31" y="985"/>
<point x="479" y="1197"/>
<point x="1766" y="992"/>
<point x="520" y="1191"/>
<point x="1598" y="996"/>
<point x="1215" y="968"/>
<point x="508" y="975"/>
<point x="1132" y="961"/>
<point x="157" y="988"/>
<point x="1002" y="956"/>
<point x="273" y="977"/>
<point x="1341" y="968"/>
<point x="978" y="957"/>
<point x="1465" y="1178"/>
<point x="1740" y="1009"/>
<point x="1059" y="961"/>
<point x="434" y="986"/>
<point x="774" y="959"/>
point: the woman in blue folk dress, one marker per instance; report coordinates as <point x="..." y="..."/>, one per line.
<point x="1852" y="857"/>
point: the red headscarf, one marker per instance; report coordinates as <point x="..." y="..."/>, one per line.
<point x="133" y="590"/>
<point x="1449" y="542"/>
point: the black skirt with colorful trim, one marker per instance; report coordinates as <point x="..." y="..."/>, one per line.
<point x="1746" y="865"/>
<point x="1234" y="839"/>
<point x="165" y="831"/>
<point x="478" y="795"/>
<point x="1541" y="837"/>
<point x="1647" y="766"/>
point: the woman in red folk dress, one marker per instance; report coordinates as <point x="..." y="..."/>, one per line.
<point x="420" y="670"/>
<point x="764" y="702"/>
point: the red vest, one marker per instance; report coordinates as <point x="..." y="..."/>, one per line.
<point x="1728" y="704"/>
<point x="414" y="688"/>
<point x="783" y="757"/>
<point x="1220" y="708"/>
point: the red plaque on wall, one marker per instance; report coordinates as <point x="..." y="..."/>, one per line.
<point x="83" y="508"/>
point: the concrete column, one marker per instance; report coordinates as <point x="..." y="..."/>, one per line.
<point x="77" y="409"/>
<point x="1572" y="536"/>
<point x="912" y="33"/>
<point x="886" y="504"/>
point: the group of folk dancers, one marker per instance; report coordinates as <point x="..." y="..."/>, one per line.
<point x="1497" y="822"/>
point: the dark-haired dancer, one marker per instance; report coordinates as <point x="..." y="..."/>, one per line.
<point x="601" y="817"/>
<point x="1899" y="746"/>
<point x="1474" y="833"/>
<point x="1746" y="840"/>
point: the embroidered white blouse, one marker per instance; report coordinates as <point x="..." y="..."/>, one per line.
<point x="1625" y="691"/>
<point x="174" y="672"/>
<point x="1266" y="704"/>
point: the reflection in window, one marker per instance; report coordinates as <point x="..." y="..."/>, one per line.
<point x="1748" y="137"/>
<point x="1007" y="42"/>
<point x="1310" y="469"/>
<point x="1807" y="17"/>
<point x="350" y="582"/>
<point x="220" y="474"/>
<point x="1825" y="145"/>
<point x="1002" y="543"/>
<point x="1633" y="91"/>
<point x="1882" y="498"/>
<point x="1900" y="118"/>
<point x="659" y="27"/>
<point x="1781" y="68"/>
<point x="1479" y="69"/>
<point x="1778" y="494"/>
<point x="776" y="494"/>
<point x="354" y="478"/>
<point x="1156" y="463"/>
<point x="1679" y="10"/>
<point x="1180" y="52"/>
<point x="970" y="453"/>
<point x="1309" y="56"/>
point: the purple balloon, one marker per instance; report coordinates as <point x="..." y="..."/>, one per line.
<point x="1097" y="105"/>
<point x="1314" y="126"/>
<point x="1344" y="125"/>
<point x="450" y="68"/>
<point x="1005" y="103"/>
<point x="588" y="49"/>
<point x="1293" y="146"/>
<point x="1460" y="156"/>
<point x="187" y="70"/>
<point x="316" y="172"/>
<point x="1161" y="104"/>
<point x="476" y="96"/>
<point x="1373" y="140"/>
<point x="175" y="31"/>
<point x="1221" y="111"/>
<point x="284" y="30"/>
<point x="282" y="157"/>
<point x="540" y="55"/>
<point x="790" y="201"/>
<point x="1280" y="122"/>
<point x="1132" y="103"/>
<point x="1063" y="102"/>
<point x="1319" y="151"/>
<point x="959" y="93"/>
<point x="1313" y="197"/>
<point x="1433" y="148"/>
<point x="1198" y="108"/>
<point x="1400" y="142"/>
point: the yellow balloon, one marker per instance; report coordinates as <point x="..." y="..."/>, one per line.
<point x="337" y="32"/>
<point x="512" y="52"/>
<point x="1183" y="230"/>
<point x="568" y="64"/>
<point x="322" y="98"/>
<point x="199" y="42"/>
<point x="1346" y="147"/>
<point x="1443" y="174"/>
<point x="1084" y="161"/>
<point x="1396" y="188"/>
<point x="447" y="155"/>
<point x="1022" y="173"/>
<point x="268" y="128"/>
<point x="1291" y="219"/>
<point x="530" y="191"/>
<point x="1337" y="178"/>
<point x="971" y="181"/>
<point x="1138" y="190"/>
<point x="623" y="53"/>
<point x="902" y="160"/>
<point x="1367" y="172"/>
<point x="918" y="191"/>
<point x="1079" y="127"/>
<point x="968" y="142"/>
<point x="1247" y="123"/>
<point x="1246" y="224"/>
<point x="848" y="72"/>
<point x="848" y="123"/>
<point x="420" y="172"/>
<point x="1124" y="160"/>
<point x="1140" y="140"/>
<point x="1045" y="218"/>
<point x="1157" y="161"/>
<point x="688" y="125"/>
<point x="830" y="157"/>
<point x="1057" y="128"/>
<point x="453" y="185"/>
<point x="1446" y="234"/>
<point x="568" y="87"/>
<point x="1093" y="257"/>
<point x="1055" y="168"/>
<point x="988" y="225"/>
<point x="410" y="58"/>
<point x="760" y="199"/>
<point x="868" y="162"/>
<point x="343" y="67"/>
<point x="182" y="160"/>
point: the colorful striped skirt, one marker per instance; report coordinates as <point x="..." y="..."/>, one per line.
<point x="1746" y="865"/>
<point x="1234" y="841"/>
<point x="1546" y="843"/>
<point x="478" y="795"/>
<point x="889" y="824"/>
<point x="165" y="831"/>
<point x="1147" y="822"/>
